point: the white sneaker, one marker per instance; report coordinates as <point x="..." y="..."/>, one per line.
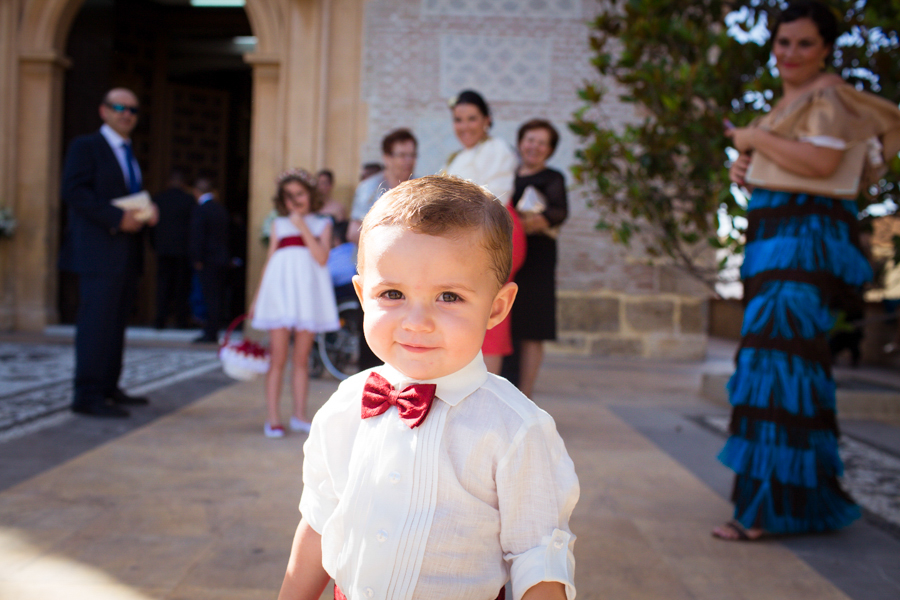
<point x="273" y="432"/>
<point x="299" y="425"/>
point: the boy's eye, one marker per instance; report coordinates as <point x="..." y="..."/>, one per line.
<point x="449" y="297"/>
<point x="392" y="295"/>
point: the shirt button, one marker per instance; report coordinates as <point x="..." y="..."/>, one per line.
<point x="558" y="544"/>
<point x="381" y="535"/>
<point x="369" y="592"/>
<point x="394" y="477"/>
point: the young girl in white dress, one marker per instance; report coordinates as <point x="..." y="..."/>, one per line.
<point x="294" y="294"/>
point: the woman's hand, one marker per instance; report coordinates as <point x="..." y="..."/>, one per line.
<point x="743" y="138"/>
<point x="738" y="169"/>
<point x="533" y="222"/>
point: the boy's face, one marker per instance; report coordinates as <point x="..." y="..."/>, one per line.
<point x="428" y="300"/>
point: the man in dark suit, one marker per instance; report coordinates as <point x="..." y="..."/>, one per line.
<point x="171" y="238"/>
<point x="104" y="247"/>
<point x="209" y="253"/>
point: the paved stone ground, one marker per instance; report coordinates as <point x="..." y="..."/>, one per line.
<point x="187" y="501"/>
<point x="36" y="379"/>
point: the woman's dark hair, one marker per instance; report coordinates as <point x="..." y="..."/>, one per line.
<point x="327" y="173"/>
<point x="474" y="98"/>
<point x="306" y="180"/>
<point x="818" y="13"/>
<point x="540" y="124"/>
<point x="398" y="136"/>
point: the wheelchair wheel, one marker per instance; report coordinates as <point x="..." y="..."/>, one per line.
<point x="338" y="350"/>
<point x="315" y="366"/>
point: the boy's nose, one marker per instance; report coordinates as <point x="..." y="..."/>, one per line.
<point x="417" y="318"/>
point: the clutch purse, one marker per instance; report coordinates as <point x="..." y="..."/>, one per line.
<point x="533" y="201"/>
<point x="843" y="183"/>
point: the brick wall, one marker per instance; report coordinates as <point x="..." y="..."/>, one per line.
<point x="527" y="57"/>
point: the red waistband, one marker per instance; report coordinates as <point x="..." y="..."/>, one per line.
<point x="339" y="595"/>
<point x="294" y="240"/>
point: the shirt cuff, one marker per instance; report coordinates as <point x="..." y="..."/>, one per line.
<point x="553" y="560"/>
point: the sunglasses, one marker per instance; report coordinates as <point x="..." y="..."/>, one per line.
<point x="120" y="108"/>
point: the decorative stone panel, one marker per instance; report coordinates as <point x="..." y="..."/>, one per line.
<point x="547" y="9"/>
<point x="508" y="68"/>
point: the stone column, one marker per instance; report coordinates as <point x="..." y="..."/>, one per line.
<point x="8" y="101"/>
<point x="266" y="157"/>
<point x="37" y="203"/>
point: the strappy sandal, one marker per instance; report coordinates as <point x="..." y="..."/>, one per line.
<point x="740" y="533"/>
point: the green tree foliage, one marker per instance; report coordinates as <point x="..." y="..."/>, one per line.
<point x="685" y="65"/>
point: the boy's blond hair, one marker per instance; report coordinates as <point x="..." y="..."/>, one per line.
<point x="445" y="206"/>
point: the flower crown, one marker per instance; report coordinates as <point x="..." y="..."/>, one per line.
<point x="301" y="174"/>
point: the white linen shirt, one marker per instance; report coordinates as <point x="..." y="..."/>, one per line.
<point x="478" y="494"/>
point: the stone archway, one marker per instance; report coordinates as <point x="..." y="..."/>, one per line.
<point x="42" y="34"/>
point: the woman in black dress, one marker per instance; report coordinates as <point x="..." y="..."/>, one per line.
<point x="534" y="312"/>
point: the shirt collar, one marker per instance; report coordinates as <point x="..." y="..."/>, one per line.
<point x="114" y="139"/>
<point x="205" y="198"/>
<point x="452" y="388"/>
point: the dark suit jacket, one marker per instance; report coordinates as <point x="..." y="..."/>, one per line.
<point x="171" y="236"/>
<point x="209" y="235"/>
<point x="92" y="178"/>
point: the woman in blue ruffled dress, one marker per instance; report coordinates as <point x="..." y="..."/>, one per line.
<point x="802" y="261"/>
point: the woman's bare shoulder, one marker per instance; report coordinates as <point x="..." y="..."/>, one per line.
<point x="828" y="80"/>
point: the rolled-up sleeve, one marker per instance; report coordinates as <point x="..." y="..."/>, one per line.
<point x="537" y="490"/>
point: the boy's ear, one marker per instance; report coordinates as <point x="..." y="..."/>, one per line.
<point x="503" y="302"/>
<point x="357" y="287"/>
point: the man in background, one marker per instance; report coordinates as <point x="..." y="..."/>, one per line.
<point x="209" y="254"/>
<point x="104" y="246"/>
<point x="171" y="237"/>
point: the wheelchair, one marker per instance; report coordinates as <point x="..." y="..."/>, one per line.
<point x="337" y="352"/>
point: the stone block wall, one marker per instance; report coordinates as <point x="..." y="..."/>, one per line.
<point x="528" y="58"/>
<point x="610" y="323"/>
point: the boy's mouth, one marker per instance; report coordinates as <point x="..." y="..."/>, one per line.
<point x="416" y="348"/>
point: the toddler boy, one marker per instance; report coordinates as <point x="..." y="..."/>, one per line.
<point x="428" y="478"/>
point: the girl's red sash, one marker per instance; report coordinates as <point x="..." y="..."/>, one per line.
<point x="293" y="240"/>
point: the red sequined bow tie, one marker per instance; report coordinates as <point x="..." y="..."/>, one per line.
<point x="413" y="402"/>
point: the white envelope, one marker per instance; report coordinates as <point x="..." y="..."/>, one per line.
<point x="139" y="202"/>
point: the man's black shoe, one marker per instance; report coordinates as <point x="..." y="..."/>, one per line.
<point x="122" y="399"/>
<point x="101" y="410"/>
<point x="206" y="339"/>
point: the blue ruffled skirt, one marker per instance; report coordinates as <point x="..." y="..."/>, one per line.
<point x="802" y="262"/>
